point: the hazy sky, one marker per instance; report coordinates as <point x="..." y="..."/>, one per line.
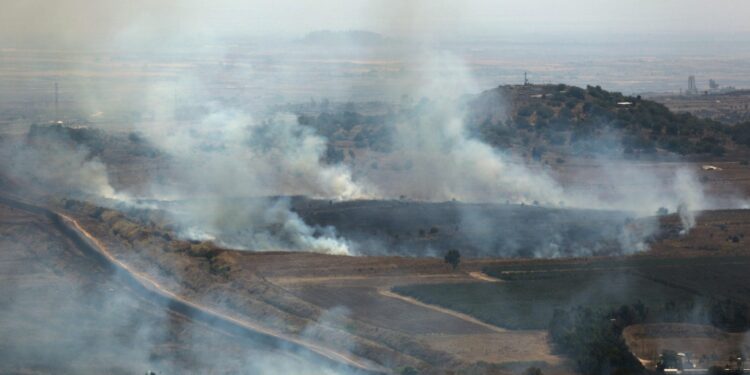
<point x="93" y="21"/>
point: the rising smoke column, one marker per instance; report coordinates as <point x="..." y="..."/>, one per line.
<point x="445" y="161"/>
<point x="224" y="164"/>
<point x="47" y="159"/>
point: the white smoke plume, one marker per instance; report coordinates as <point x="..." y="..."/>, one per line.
<point x="222" y="165"/>
<point x="53" y="162"/>
<point x="690" y="192"/>
<point x="445" y="162"/>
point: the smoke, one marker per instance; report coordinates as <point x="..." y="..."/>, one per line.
<point x="223" y="164"/>
<point x="690" y="193"/>
<point x="47" y="159"/>
<point x="255" y="224"/>
<point x="61" y="313"/>
<point x="437" y="158"/>
<point x="443" y="161"/>
<point x="226" y="152"/>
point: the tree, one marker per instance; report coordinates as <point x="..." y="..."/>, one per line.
<point x="453" y="257"/>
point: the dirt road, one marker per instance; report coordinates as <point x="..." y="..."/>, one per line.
<point x="152" y="290"/>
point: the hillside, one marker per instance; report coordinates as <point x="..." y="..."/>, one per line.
<point x="547" y="122"/>
<point x="568" y="119"/>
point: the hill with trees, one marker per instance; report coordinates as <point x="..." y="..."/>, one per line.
<point x="547" y="122"/>
<point x="568" y="119"/>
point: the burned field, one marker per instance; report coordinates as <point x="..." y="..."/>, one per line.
<point x="429" y="229"/>
<point x="479" y="230"/>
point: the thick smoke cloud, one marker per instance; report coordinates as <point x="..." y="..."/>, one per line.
<point x="445" y="161"/>
<point x="53" y="161"/>
<point x="222" y="166"/>
<point x="226" y="153"/>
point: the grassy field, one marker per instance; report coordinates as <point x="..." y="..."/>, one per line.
<point x="529" y="304"/>
<point x="531" y="291"/>
<point x="711" y="277"/>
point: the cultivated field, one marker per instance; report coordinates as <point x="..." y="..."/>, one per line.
<point x="530" y="303"/>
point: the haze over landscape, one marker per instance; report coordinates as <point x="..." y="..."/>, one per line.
<point x="345" y="187"/>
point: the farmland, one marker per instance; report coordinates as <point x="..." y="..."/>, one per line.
<point x="529" y="304"/>
<point x="531" y="291"/>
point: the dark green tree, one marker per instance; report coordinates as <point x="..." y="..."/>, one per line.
<point x="453" y="257"/>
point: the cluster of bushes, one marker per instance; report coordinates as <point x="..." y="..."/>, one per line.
<point x="740" y="133"/>
<point x="565" y="116"/>
<point x="137" y="229"/>
<point x="366" y="131"/>
<point x="97" y="142"/>
<point x="593" y="338"/>
<point x="730" y="315"/>
<point x="725" y="314"/>
<point x="562" y="117"/>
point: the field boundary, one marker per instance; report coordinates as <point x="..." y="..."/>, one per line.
<point x="391" y="294"/>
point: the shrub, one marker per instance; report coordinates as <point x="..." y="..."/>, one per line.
<point x="453" y="257"/>
<point x="593" y="339"/>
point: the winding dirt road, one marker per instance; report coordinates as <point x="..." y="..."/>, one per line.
<point x="152" y="290"/>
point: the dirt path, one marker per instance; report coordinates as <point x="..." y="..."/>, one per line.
<point x="344" y="358"/>
<point x="455" y="314"/>
<point x="484" y="277"/>
<point x="153" y="290"/>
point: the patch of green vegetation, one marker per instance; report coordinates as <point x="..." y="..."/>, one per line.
<point x="365" y="131"/>
<point x="530" y="304"/>
<point x="592" y="338"/>
<point x="593" y="114"/>
<point x="707" y="290"/>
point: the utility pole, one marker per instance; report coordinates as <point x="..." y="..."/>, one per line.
<point x="525" y="79"/>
